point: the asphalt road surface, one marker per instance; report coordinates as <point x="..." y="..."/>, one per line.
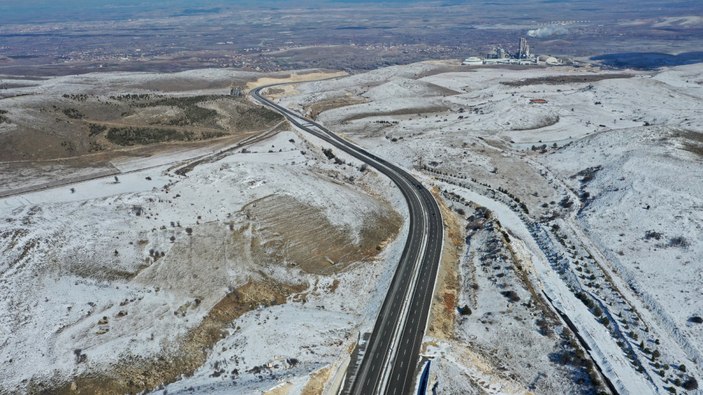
<point x="390" y="362"/>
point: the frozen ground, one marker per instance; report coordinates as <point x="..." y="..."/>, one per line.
<point x="578" y="218"/>
<point x="109" y="272"/>
<point x="600" y="177"/>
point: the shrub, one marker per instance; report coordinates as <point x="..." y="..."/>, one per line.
<point x="94" y="129"/>
<point x="690" y="384"/>
<point x="328" y="153"/>
<point x="678" y="241"/>
<point x="511" y="296"/>
<point x="604" y="320"/>
<point x="650" y="234"/>
<point x="464" y="310"/>
<point x="566" y="202"/>
<point x="73" y="113"/>
<point x="597" y="311"/>
<point x="127" y="136"/>
<point x="80" y="356"/>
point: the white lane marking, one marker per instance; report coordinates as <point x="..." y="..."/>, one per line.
<point x="358" y="150"/>
<point x="402" y="322"/>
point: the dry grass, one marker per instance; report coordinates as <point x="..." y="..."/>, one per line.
<point x="269" y="232"/>
<point x="281" y="389"/>
<point x="51" y="129"/>
<point x="443" y="310"/>
<point x="696" y="149"/>
<point x="137" y="374"/>
<point x="318" y="247"/>
<point x="295" y="77"/>
<point x="691" y="141"/>
<point x="317" y="108"/>
<point x="317" y="381"/>
<point x="444" y="66"/>
<point x="566" y="79"/>
<point x="404" y="111"/>
<point x="526" y="273"/>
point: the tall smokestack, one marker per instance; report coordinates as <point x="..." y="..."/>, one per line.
<point x="524" y="49"/>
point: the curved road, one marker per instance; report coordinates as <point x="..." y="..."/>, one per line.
<point x="390" y="362"/>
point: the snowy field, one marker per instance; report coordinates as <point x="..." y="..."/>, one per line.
<point x="578" y="206"/>
<point x="595" y="173"/>
<point x="115" y="271"/>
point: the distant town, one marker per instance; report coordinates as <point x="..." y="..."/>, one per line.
<point x="257" y="38"/>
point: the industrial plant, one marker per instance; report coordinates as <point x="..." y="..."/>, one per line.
<point x="523" y="56"/>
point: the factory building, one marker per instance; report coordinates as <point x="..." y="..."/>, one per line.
<point x="524" y="51"/>
<point x="522" y="56"/>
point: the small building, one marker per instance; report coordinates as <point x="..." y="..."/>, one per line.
<point x="473" y="60"/>
<point x="552" y="61"/>
<point x="549" y="60"/>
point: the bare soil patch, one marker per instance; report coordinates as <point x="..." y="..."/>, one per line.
<point x="566" y="79"/>
<point x="28" y="175"/>
<point x="539" y="123"/>
<point x="444" y="67"/>
<point x="295" y="77"/>
<point x="404" y="111"/>
<point x="137" y="374"/>
<point x="185" y="84"/>
<point x="318" y="247"/>
<point x="281" y="389"/>
<point x="436" y="90"/>
<point x="317" y="381"/>
<point x="75" y="125"/>
<point x="444" y="302"/>
<point x="691" y="141"/>
<point x="319" y="107"/>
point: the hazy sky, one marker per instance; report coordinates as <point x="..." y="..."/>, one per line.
<point x="32" y="11"/>
<point x="35" y="11"/>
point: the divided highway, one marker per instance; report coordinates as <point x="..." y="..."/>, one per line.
<point x="389" y="365"/>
